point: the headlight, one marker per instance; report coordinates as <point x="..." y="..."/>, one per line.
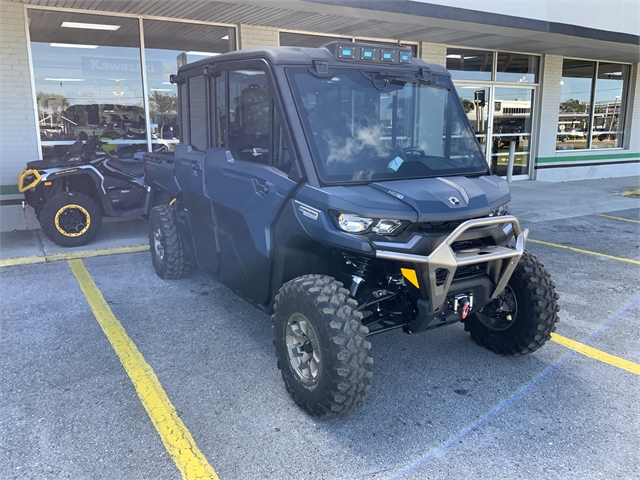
<point x="353" y="223"/>
<point x="498" y="212"/>
<point x="387" y="226"/>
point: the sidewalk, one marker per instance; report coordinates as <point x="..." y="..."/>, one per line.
<point x="532" y="201"/>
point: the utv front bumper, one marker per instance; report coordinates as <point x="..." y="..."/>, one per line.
<point x="500" y="261"/>
<point x="28" y="179"/>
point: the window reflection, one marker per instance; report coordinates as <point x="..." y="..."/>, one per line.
<point x="469" y="64"/>
<point x="475" y="100"/>
<point x="575" y="104"/>
<point x="88" y="81"/>
<point x="608" y="106"/>
<point x="514" y="67"/>
<point x="576" y="130"/>
<point x="511" y="125"/>
<point x="164" y="41"/>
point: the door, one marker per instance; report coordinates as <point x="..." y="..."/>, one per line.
<point x="512" y="109"/>
<point x="189" y="168"/>
<point x="475" y="100"/>
<point x="245" y="177"/>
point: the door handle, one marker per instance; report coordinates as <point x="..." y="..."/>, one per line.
<point x="260" y="188"/>
<point x="195" y="166"/>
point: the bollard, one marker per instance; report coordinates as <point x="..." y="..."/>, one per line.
<point x="512" y="153"/>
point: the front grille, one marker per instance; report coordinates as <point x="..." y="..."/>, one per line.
<point x="430" y="226"/>
<point x="466" y="271"/>
<point x="473" y="243"/>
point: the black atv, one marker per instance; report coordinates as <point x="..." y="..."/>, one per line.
<point x="343" y="189"/>
<point x="70" y="195"/>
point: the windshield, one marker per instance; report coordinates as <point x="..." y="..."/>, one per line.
<point x="369" y="126"/>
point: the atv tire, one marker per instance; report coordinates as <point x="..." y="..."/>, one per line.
<point x="167" y="251"/>
<point x="162" y="197"/>
<point x="529" y="312"/>
<point x="320" y="346"/>
<point x="70" y="219"/>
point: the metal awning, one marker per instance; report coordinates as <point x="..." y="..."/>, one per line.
<point x="399" y="20"/>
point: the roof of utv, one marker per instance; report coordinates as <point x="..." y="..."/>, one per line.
<point x="329" y="53"/>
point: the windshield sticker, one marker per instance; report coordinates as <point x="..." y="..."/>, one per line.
<point x="395" y="164"/>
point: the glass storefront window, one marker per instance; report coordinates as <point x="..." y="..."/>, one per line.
<point x="88" y="77"/>
<point x="608" y="105"/>
<point x="592" y="101"/>
<point x="469" y="64"/>
<point x="514" y="67"/>
<point x="88" y="80"/>
<point x="575" y="104"/>
<point x="163" y="42"/>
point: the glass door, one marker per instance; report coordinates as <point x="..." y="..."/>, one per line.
<point x="511" y="112"/>
<point x="475" y="100"/>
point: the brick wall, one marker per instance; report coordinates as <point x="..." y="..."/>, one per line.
<point x="18" y="135"/>
<point x="549" y="105"/>
<point x="633" y="117"/>
<point x="257" y="36"/>
<point x="434" y="53"/>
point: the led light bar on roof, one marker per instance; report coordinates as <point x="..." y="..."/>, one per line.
<point x="90" y="26"/>
<point x="370" y="53"/>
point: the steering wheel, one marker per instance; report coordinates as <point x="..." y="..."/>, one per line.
<point x="413" y="152"/>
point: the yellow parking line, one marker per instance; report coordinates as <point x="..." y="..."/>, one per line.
<point x="618" y="218"/>
<point x="598" y="254"/>
<point x="174" y="434"/>
<point x="631" y="193"/>
<point x="596" y="354"/>
<point x="12" y="262"/>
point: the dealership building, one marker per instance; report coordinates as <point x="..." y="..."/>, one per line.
<point x="559" y="79"/>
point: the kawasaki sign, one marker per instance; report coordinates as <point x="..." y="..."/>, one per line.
<point x="93" y="65"/>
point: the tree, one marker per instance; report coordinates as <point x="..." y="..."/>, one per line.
<point x="573" y="106"/>
<point x="163" y="104"/>
<point x="467" y="104"/>
<point x="51" y="102"/>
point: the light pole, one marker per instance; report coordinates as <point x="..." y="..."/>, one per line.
<point x="118" y="93"/>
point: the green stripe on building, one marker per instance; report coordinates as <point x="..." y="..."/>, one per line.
<point x="582" y="158"/>
<point x="9" y="189"/>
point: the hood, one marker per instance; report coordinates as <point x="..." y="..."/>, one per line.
<point x="449" y="198"/>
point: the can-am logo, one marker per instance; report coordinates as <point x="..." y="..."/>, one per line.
<point x="454" y="201"/>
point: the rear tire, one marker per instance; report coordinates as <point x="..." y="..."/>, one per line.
<point x="521" y="320"/>
<point x="320" y="345"/>
<point x="167" y="252"/>
<point x="70" y="219"/>
<point x="162" y="197"/>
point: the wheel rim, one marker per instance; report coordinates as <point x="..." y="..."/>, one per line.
<point x="501" y="313"/>
<point x="157" y="244"/>
<point x="303" y="349"/>
<point x="72" y="220"/>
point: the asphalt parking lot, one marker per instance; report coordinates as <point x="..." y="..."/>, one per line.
<point x="440" y="406"/>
